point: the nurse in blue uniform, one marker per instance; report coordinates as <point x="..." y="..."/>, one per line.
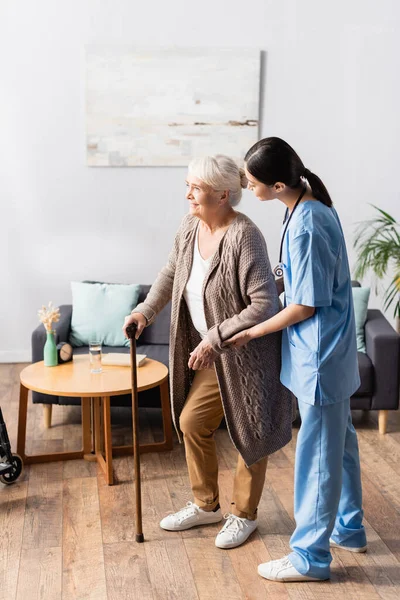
<point x="319" y="362"/>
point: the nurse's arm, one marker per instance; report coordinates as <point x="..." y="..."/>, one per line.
<point x="292" y="314"/>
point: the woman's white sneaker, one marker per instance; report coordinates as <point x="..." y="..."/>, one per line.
<point x="190" y="516"/>
<point x="235" y="532"/>
<point x="282" y="570"/>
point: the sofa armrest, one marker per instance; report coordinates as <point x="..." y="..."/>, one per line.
<point x="383" y="348"/>
<point x="62" y="329"/>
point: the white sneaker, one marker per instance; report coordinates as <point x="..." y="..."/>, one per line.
<point x="282" y="570"/>
<point x="235" y="532"/>
<point x="360" y="550"/>
<point x="190" y="516"/>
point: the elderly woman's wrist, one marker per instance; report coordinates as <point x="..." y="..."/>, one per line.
<point x="145" y="311"/>
<point x="214" y="339"/>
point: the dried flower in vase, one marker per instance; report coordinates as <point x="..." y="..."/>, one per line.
<point x="49" y="315"/>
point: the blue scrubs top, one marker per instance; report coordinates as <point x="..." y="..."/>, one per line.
<point x="319" y="355"/>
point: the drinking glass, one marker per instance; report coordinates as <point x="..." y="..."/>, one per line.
<point x="95" y="356"/>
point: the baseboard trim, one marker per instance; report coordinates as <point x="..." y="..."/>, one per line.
<point x="15" y="356"/>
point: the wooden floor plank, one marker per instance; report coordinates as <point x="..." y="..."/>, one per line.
<point x="212" y="570"/>
<point x="73" y="469"/>
<point x="43" y="510"/>
<point x="83" y="559"/>
<point x="117" y="503"/>
<point x="12" y="515"/>
<point x="126" y="572"/>
<point x="170" y="571"/>
<point x="383" y="445"/>
<point x="41" y="574"/>
<point x="381" y="472"/>
<point x="383" y="517"/>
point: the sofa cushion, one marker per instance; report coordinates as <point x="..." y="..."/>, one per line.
<point x="99" y="310"/>
<point x="366" y="375"/>
<point x="158" y="352"/>
<point x="360" y="300"/>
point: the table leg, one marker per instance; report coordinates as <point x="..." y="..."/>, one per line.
<point x="21" y="437"/>
<point x="86" y="433"/>
<point x="97" y="425"/>
<point x="92" y="425"/>
<point x="102" y="437"/>
<point x="107" y="439"/>
<point x="22" y="417"/>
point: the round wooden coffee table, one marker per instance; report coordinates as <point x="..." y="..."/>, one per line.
<point x="75" y="379"/>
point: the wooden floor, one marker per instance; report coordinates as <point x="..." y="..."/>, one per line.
<point x="65" y="534"/>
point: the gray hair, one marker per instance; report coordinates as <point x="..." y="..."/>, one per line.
<point x="221" y="173"/>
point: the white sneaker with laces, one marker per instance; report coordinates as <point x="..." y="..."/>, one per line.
<point x="235" y="532"/>
<point x="282" y="570"/>
<point x="359" y="550"/>
<point x="190" y="516"/>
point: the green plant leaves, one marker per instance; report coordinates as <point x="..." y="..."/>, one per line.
<point x="377" y="242"/>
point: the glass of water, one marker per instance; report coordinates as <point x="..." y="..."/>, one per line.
<point x="95" y="356"/>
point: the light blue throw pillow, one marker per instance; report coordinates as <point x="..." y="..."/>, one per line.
<point x="99" y="310"/>
<point x="360" y="299"/>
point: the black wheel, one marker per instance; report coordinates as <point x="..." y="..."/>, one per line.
<point x="13" y="475"/>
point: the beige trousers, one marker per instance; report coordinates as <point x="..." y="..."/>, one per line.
<point x="201" y="416"/>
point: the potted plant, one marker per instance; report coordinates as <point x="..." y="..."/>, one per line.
<point x="377" y="244"/>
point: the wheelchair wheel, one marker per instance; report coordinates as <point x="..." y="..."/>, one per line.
<point x="13" y="475"/>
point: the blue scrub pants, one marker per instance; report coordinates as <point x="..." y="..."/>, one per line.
<point x="327" y="497"/>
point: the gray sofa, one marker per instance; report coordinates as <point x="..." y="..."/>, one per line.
<point x="379" y="367"/>
<point x="154" y="342"/>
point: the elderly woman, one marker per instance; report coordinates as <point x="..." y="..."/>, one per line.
<point x="219" y="279"/>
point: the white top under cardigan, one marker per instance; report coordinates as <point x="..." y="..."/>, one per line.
<point x="193" y="293"/>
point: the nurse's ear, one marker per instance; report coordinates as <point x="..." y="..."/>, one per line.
<point x="279" y="187"/>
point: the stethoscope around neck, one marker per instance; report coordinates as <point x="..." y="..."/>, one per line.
<point x="278" y="271"/>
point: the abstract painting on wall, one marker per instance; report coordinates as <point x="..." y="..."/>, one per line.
<point x="163" y="107"/>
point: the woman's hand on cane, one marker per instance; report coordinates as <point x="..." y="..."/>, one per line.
<point x="137" y="318"/>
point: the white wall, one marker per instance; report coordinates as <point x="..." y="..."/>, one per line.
<point x="330" y="86"/>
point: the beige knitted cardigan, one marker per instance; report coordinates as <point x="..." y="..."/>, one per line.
<point x="239" y="291"/>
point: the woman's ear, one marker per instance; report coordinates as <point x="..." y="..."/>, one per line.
<point x="224" y="197"/>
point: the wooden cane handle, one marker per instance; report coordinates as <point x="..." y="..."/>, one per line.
<point x="131" y="331"/>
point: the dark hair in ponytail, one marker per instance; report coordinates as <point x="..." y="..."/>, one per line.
<point x="272" y="159"/>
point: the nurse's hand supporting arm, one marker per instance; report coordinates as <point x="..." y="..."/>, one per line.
<point x="292" y="314"/>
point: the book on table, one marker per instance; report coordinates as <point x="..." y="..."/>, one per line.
<point x="119" y="359"/>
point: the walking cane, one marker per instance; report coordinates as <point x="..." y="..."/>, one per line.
<point x="131" y="332"/>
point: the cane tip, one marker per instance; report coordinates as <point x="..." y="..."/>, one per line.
<point x="140" y="538"/>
